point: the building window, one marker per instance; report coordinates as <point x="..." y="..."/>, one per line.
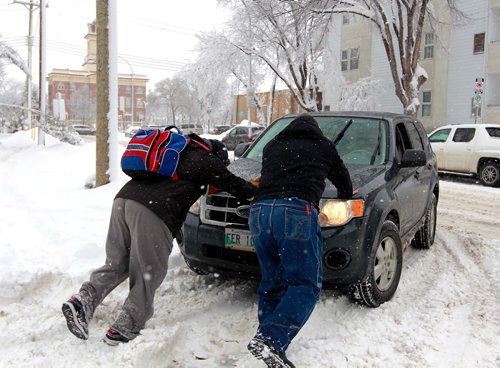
<point x="354" y="58"/>
<point x="60" y="86"/>
<point x="429" y="45"/>
<point x="348" y="18"/>
<point x="350" y="59"/>
<point x="479" y="43"/>
<point x="127" y="102"/>
<point x="345" y="63"/>
<point x="128" y="89"/>
<point x="426" y="103"/>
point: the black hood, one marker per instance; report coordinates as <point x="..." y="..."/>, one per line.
<point x="302" y="126"/>
<point x="360" y="176"/>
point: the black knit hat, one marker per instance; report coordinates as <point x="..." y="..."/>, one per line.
<point x="219" y="150"/>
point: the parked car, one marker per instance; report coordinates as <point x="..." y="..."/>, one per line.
<point x="131" y="130"/>
<point x="470" y="149"/>
<point x="84" y="129"/>
<point x="218" y="129"/>
<point x="239" y="134"/>
<point x="392" y="166"/>
<point x="191" y="128"/>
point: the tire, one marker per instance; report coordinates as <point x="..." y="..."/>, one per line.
<point x="489" y="174"/>
<point x="424" y="238"/>
<point x="385" y="270"/>
<point x="195" y="269"/>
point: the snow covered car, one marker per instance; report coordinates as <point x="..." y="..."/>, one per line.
<point x="392" y="166"/>
<point x="470" y="149"/>
<point x="131" y="131"/>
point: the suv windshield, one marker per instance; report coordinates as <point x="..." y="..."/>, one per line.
<point x="364" y="142"/>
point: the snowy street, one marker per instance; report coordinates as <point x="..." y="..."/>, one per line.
<point x="444" y="314"/>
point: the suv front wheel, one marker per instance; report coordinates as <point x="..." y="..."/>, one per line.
<point x="489" y="174"/>
<point x="385" y="270"/>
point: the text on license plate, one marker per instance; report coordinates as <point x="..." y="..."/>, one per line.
<point x="238" y="239"/>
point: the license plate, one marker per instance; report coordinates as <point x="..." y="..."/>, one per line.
<point x="238" y="239"/>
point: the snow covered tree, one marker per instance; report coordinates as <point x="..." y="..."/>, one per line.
<point x="170" y="100"/>
<point x="400" y="24"/>
<point x="220" y="59"/>
<point x="288" y="37"/>
<point x="11" y="55"/>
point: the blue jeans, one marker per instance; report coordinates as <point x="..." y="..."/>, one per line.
<point x="289" y="246"/>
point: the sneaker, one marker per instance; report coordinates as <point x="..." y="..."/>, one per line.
<point x="264" y="350"/>
<point x="114" y="337"/>
<point x="76" y="317"/>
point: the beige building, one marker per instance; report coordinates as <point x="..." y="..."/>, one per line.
<point x="72" y="93"/>
<point x="454" y="56"/>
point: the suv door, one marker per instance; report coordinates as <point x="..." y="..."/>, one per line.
<point x="438" y="140"/>
<point x="413" y="186"/>
<point x="460" y="149"/>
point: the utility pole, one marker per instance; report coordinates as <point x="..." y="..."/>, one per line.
<point x="42" y="74"/>
<point x="31" y="6"/>
<point x="102" y="74"/>
<point x="107" y="163"/>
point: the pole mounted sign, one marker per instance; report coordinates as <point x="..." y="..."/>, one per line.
<point x="478" y="90"/>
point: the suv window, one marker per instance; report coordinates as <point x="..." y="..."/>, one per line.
<point x="464" y="134"/>
<point x="493" y="132"/>
<point x="440" y="136"/>
<point x="414" y="137"/>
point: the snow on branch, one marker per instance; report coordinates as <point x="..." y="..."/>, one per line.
<point x="8" y="53"/>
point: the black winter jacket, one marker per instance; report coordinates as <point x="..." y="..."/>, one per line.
<point x="297" y="161"/>
<point x="171" y="199"/>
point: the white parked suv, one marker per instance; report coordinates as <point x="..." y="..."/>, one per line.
<point x="470" y="149"/>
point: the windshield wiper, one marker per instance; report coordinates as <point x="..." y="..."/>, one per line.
<point x="341" y="134"/>
<point x="377" y="148"/>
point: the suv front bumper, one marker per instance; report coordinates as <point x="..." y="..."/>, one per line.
<point x="345" y="257"/>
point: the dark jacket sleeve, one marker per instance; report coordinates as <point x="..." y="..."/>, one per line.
<point x="339" y="176"/>
<point x="217" y="174"/>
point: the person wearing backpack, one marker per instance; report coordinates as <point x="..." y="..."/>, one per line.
<point x="146" y="216"/>
<point x="284" y="222"/>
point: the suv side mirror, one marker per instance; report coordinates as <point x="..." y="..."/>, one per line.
<point x="241" y="148"/>
<point x="413" y="158"/>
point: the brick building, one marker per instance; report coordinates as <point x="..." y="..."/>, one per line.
<point x="72" y="93"/>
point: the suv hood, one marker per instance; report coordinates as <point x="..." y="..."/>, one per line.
<point x="360" y="176"/>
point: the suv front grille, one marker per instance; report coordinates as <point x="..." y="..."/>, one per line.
<point x="220" y="209"/>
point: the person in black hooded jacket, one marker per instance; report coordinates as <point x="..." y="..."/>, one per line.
<point x="146" y="216"/>
<point x="286" y="232"/>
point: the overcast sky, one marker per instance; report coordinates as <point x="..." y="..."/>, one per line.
<point x="156" y="37"/>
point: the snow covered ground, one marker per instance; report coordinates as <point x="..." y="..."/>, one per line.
<point x="445" y="313"/>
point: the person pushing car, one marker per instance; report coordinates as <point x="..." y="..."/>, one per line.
<point x="287" y="235"/>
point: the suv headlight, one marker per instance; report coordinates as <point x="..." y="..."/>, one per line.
<point x="338" y="212"/>
<point x="195" y="208"/>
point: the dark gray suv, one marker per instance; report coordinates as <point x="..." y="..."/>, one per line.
<point x="392" y="166"/>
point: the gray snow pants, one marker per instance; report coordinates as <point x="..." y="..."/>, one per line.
<point x="137" y="246"/>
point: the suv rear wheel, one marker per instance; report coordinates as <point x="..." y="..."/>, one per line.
<point x="489" y="174"/>
<point x="386" y="269"/>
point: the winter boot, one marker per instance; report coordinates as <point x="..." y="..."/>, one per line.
<point x="77" y="317"/>
<point x="114" y="337"/>
<point x="264" y="350"/>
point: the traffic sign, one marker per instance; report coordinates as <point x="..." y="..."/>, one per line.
<point x="479" y="85"/>
<point x="478" y="98"/>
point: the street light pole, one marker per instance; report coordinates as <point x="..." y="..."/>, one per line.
<point x="132" y="79"/>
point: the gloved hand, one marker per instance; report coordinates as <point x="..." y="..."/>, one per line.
<point x="255" y="181"/>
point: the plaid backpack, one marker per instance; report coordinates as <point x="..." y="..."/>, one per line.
<point x="154" y="153"/>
